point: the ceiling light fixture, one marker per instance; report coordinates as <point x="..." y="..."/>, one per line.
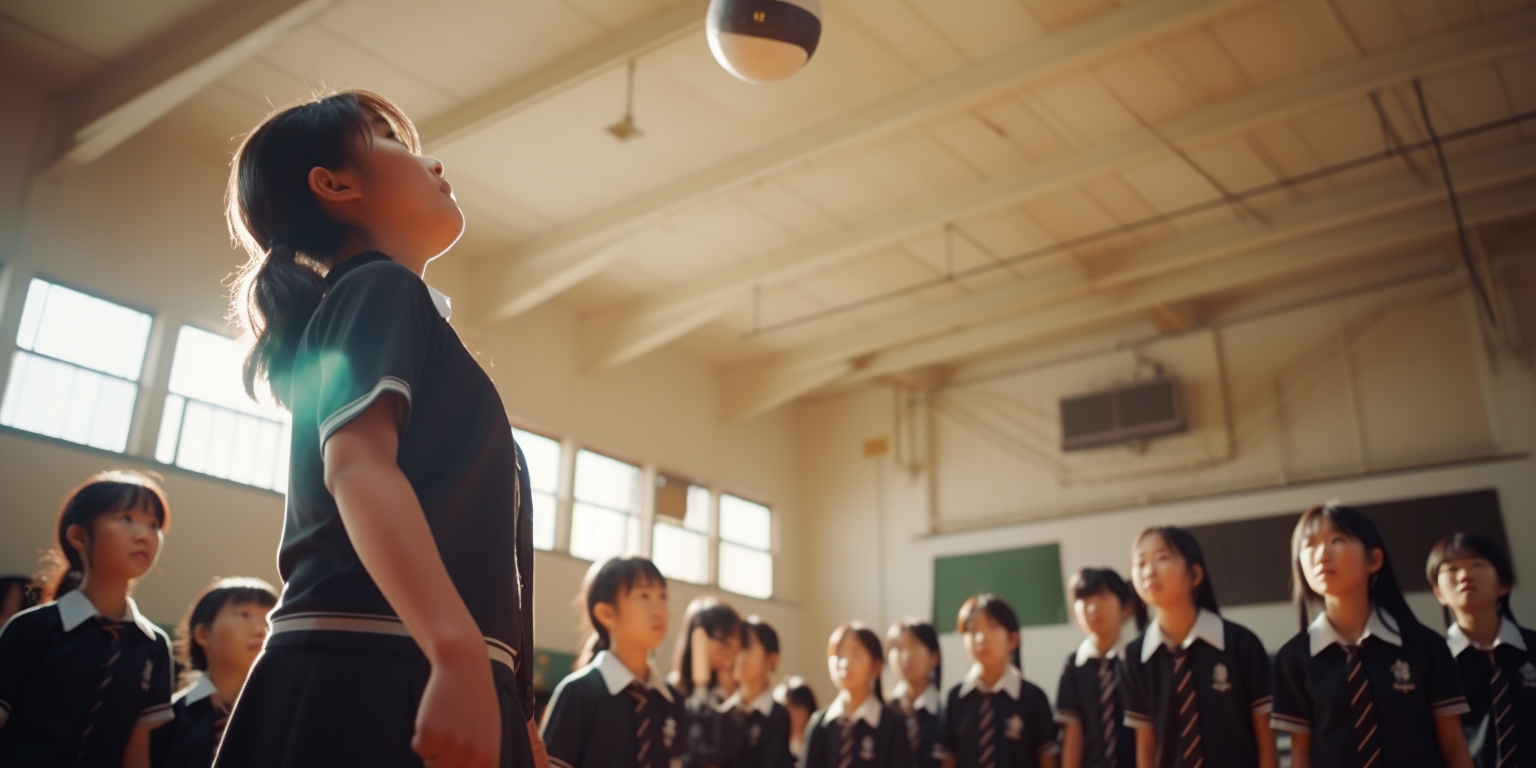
<point x="625" y="129"/>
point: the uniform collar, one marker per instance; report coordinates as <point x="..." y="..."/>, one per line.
<point x="869" y="711"/>
<point x="443" y="304"/>
<point x="1208" y="627"/>
<point x="1089" y="650"/>
<point x="927" y="700"/>
<point x="75" y="609"/>
<point x="1012" y="682"/>
<point x="1322" y="633"/>
<point x="1509" y="634"/>
<point x="763" y="704"/>
<point x="618" y="677"/>
<point x="200" y="690"/>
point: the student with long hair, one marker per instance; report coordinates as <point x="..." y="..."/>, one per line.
<point x="407" y="554"/>
<point x="995" y="717"/>
<point x="765" y="743"/>
<point x="1363" y="684"/>
<point x="856" y="729"/>
<point x="912" y="649"/>
<point x="1088" y="706"/>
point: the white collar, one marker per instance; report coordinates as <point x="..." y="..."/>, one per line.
<point x="199" y="690"/>
<point x="618" y="677"/>
<point x="441" y="301"/>
<point x="1089" y="650"/>
<point x="75" y="608"/>
<point x="763" y="704"/>
<point x="1208" y="627"/>
<point x="1509" y="634"/>
<point x="869" y="711"/>
<point x="1322" y="633"/>
<point x="927" y="700"/>
<point x="1011" y="682"/>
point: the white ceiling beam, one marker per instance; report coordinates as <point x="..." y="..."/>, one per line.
<point x="1044" y="296"/>
<point x="162" y="74"/>
<point x="569" y="247"/>
<point x="630" y="41"/>
<point x="623" y="335"/>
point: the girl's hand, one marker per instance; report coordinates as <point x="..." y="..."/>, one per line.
<point x="699" y="641"/>
<point x="458" y="724"/>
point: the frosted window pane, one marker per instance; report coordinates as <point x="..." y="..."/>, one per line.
<point x="543" y="521"/>
<point x="207" y="367"/>
<point x="746" y="571"/>
<point x="606" y="482"/>
<point x="744" y="522"/>
<point x="543" y="457"/>
<point x="69" y="402"/>
<point x="697" y="518"/>
<point x="598" y="533"/>
<point x="679" y="553"/>
<point x="84" y="330"/>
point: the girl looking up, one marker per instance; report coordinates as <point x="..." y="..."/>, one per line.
<point x="765" y="743"/>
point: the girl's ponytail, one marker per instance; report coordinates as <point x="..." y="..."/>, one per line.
<point x="280" y="298"/>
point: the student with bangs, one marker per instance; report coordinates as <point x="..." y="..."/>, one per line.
<point x="765" y="741"/>
<point x="912" y="649"/>
<point x="857" y="730"/>
<point x="995" y="717"/>
<point x="1088" y="706"/>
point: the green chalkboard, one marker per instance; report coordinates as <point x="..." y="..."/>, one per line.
<point x="550" y="667"/>
<point x="1029" y="579"/>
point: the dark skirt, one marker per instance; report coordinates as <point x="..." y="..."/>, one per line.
<point x="320" y="698"/>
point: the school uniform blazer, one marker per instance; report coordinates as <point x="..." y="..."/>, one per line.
<point x="190" y="740"/>
<point x="1412" y="677"/>
<point x="876" y="736"/>
<point x="1025" y="729"/>
<point x="1230" y="671"/>
<point x="1513" y="651"/>
<point x="53" y="663"/>
<point x="1079" y="700"/>
<point x="922" y="722"/>
<point x="765" y="732"/>
<point x="591" y="720"/>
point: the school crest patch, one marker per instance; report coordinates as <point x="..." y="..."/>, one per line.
<point x="149" y="672"/>
<point x="1528" y="672"/>
<point x="1221" y="678"/>
<point x="1014" y="728"/>
<point x="754" y="734"/>
<point x="867" y="749"/>
<point x="668" y="732"/>
<point x="1402" y="676"/>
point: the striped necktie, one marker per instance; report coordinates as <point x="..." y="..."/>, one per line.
<point x="1107" y="723"/>
<point x="642" y="723"/>
<point x="913" y="735"/>
<point x="845" y="746"/>
<point x="1191" y="754"/>
<point x="1503" y="717"/>
<point x="987" y="731"/>
<point x="1362" y="710"/>
<point x="114" y="632"/>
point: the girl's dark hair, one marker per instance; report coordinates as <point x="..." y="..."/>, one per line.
<point x="795" y="693"/>
<point x="871" y="643"/>
<point x="1467" y="544"/>
<point x="27" y="587"/>
<point x="1385" y="593"/>
<point x="606" y="582"/>
<point x="278" y="220"/>
<point x="718" y="620"/>
<point x="63" y="568"/>
<point x="1092" y="581"/>
<point x="237" y="590"/>
<point x="755" y="630"/>
<point x="1184" y="543"/>
<point x="928" y="636"/>
<point x="1000" y="611"/>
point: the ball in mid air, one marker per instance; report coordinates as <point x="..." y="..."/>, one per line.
<point x="761" y="41"/>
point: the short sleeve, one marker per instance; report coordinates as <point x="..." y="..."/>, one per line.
<point x="159" y="671"/>
<point x="15" y="660"/>
<point x="1292" y="710"/>
<point x="371" y="335"/>
<point x="1068" y="706"/>
<point x="1041" y="724"/>
<point x="948" y="736"/>
<point x="562" y="732"/>
<point x="1253" y="665"/>
<point x="1133" y="689"/>
<point x="1446" y="695"/>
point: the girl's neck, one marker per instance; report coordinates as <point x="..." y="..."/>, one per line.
<point x="1481" y="624"/>
<point x="915" y="688"/>
<point x="109" y="596"/>
<point x="990" y="674"/>
<point x="1176" y="621"/>
<point x="751" y="689"/>
<point x="856" y="699"/>
<point x="356" y="245"/>
<point x="1106" y="642"/>
<point x="1348" y="613"/>
<point x="227" y="680"/>
<point x="635" y="658"/>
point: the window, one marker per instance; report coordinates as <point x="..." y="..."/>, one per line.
<point x="211" y="426"/>
<point x="543" y="457"/>
<point x="75" y="371"/>
<point x="746" y="541"/>
<point x="680" y="537"/>
<point x="605" y="520"/>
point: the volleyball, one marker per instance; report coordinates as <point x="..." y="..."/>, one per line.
<point x="761" y="41"/>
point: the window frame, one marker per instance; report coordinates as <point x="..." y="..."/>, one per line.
<point x="640" y="512"/>
<point x="706" y="535"/>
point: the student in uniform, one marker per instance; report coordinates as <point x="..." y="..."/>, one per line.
<point x="856" y="730"/>
<point x="399" y="440"/>
<point x="1196" y="687"/>
<point x="1472" y="578"/>
<point x="766" y="722"/>
<point x="995" y="717"/>
<point x="216" y="644"/>
<point x="84" y="677"/>
<point x="1088" y="706"/>
<point x="707" y="646"/>
<point x="1365" y="684"/>
<point x="912" y="649"/>
<point x="799" y="701"/>
<point x="617" y="711"/>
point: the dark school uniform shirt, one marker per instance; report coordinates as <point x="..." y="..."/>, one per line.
<point x="53" y="660"/>
<point x="876" y="736"/>
<point x="591" y="720"/>
<point x="1413" y="680"/>
<point x="1513" y="650"/>
<point x="1230" y="671"/>
<point x="765" y="732"/>
<point x="1024" y="729"/>
<point x="1079" y="699"/>
<point x="922" y="724"/>
<point x="379" y="330"/>
<point x="190" y="740"/>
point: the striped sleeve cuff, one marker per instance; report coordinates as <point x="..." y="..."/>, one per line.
<point x="156" y="716"/>
<point x="1449" y="707"/>
<point x="1068" y="716"/>
<point x="351" y="410"/>
<point x="5" y="712"/>
<point x="1289" y="724"/>
<point x="1263" y="705"/>
<point x="1137" y="720"/>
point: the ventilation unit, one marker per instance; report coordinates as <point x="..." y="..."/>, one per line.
<point x="1133" y="412"/>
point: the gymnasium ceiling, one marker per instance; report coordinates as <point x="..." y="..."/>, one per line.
<point x="947" y="181"/>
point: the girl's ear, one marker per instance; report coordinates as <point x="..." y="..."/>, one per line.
<point x="1374" y="558"/>
<point x="334" y="186"/>
<point x="607" y="614"/>
<point x="79" y="538"/>
<point x="1013" y="641"/>
<point x="202" y="634"/>
<point x="772" y="663"/>
<point x="1196" y="574"/>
